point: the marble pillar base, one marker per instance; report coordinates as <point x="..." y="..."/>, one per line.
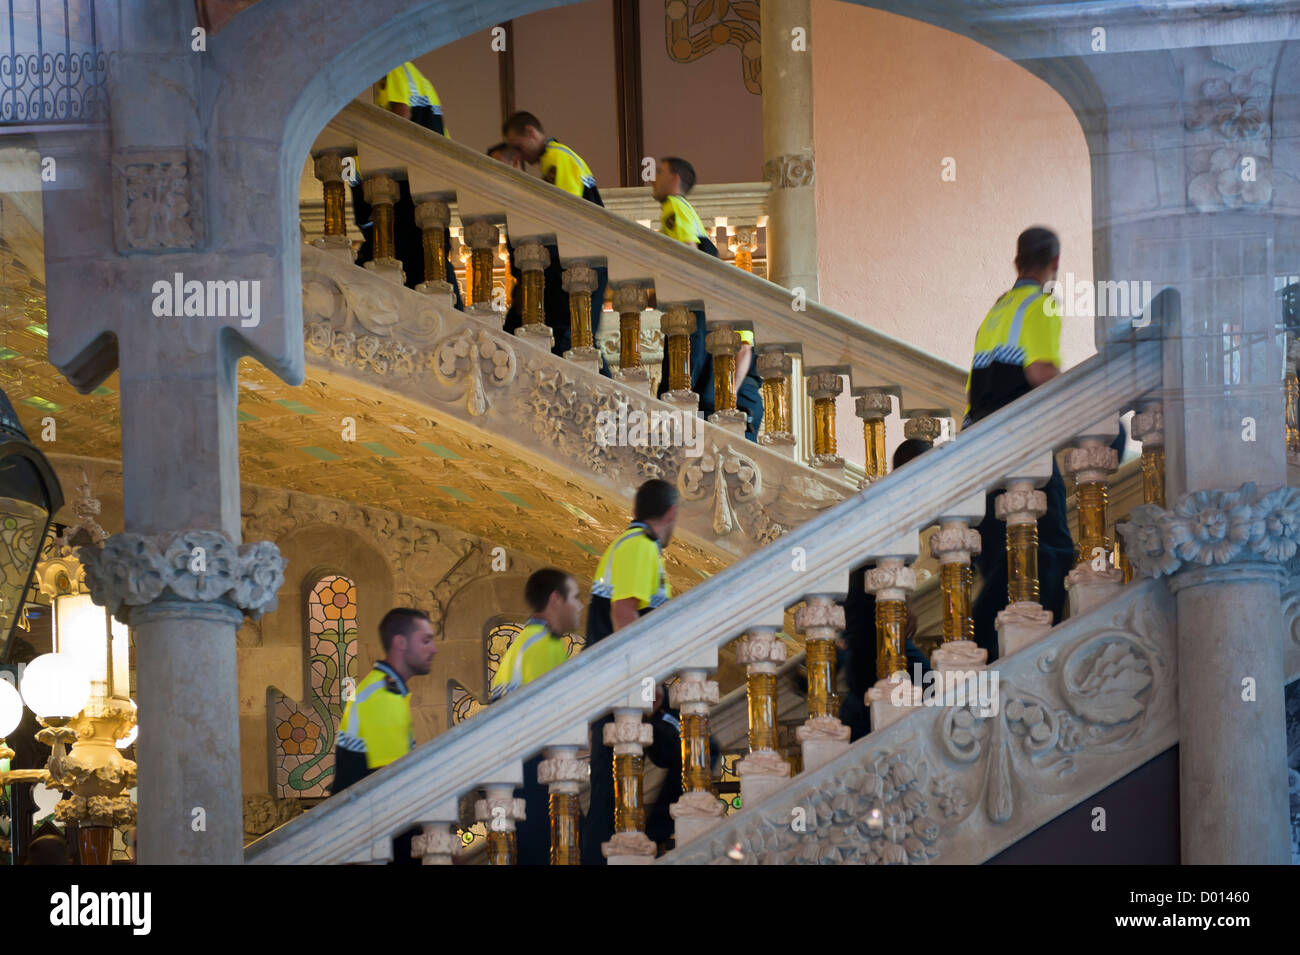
<point x="635" y="378"/>
<point x="782" y="442"/>
<point x="390" y="269"/>
<point x="822" y="739"/>
<point x="959" y="655"/>
<point x="695" y="813"/>
<point x="538" y="334"/>
<point x="1021" y="624"/>
<point x="629" y="848"/>
<point x="761" y="773"/>
<point x="827" y="462"/>
<point x="485" y="311"/>
<point x="682" y="400"/>
<point x="438" y="290"/>
<point x="588" y="358"/>
<point x="890" y="700"/>
<point x="732" y="420"/>
<point x="1090" y="588"/>
<point x="338" y="246"/>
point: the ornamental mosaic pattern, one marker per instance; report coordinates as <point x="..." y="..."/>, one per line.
<point x="695" y="29"/>
<point x="304" y="735"/>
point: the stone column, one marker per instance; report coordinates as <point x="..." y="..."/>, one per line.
<point x="580" y="281"/>
<point x="1093" y="580"/>
<point x="629" y="301"/>
<point x="532" y="258"/>
<point x="679" y="324"/>
<point x="184" y="595"/>
<point x="328" y="166"/>
<point x="774" y="366"/>
<point x="953" y="546"/>
<point x="824" y="387"/>
<point x="764" y="770"/>
<point x="482" y="238"/>
<point x="433" y="216"/>
<point x="499" y="811"/>
<point x="564" y="773"/>
<point x="788" y="144"/>
<point x="382" y="193"/>
<point x="823" y="736"/>
<point x="891" y="580"/>
<point x="628" y="735"/>
<point x="436" y="844"/>
<point x="723" y="342"/>
<point x="1148" y="427"/>
<point x="1024" y="620"/>
<point x="698" y="809"/>
<point x="873" y="406"/>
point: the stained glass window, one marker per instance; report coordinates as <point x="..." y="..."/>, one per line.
<point x="304" y="733"/>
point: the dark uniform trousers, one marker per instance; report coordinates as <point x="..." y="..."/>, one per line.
<point x="555" y="303"/>
<point x="749" y="398"/>
<point x="408" y="240"/>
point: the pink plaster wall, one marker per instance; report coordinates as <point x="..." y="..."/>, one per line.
<point x="898" y="248"/>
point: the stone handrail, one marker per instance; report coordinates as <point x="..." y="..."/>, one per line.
<point x="485" y="188"/>
<point x="687" y="632"/>
<point x="1076" y="711"/>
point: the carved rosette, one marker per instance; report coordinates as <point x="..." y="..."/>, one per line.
<point x="824" y="384"/>
<point x="774" y="363"/>
<point x="200" y="565"/>
<point x="432" y="214"/>
<point x="580" y="277"/>
<point x="562" y="771"/>
<point x="629" y="299"/>
<point x="730" y="477"/>
<point x="628" y="730"/>
<point x="1148" y="425"/>
<point x="532" y="257"/>
<point x="819" y="618"/>
<point x="475" y="360"/>
<point x="790" y="171"/>
<point x="693" y="693"/>
<point x="1020" y="504"/>
<point x="954" y="543"/>
<point x="761" y="650"/>
<point x="482" y="234"/>
<point x="1230" y="166"/>
<point x="891" y="580"/>
<point x="1214" y="527"/>
<point x="922" y="428"/>
<point x="1091" y="462"/>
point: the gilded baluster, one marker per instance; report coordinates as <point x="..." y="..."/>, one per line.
<point x="499" y="812"/>
<point x="1024" y="620"/>
<point x="628" y="735"/>
<point x="678" y="324"/>
<point x="564" y="774"/>
<point x="764" y="769"/>
<point x="630" y="301"/>
<point x="822" y="736"/>
<point x="580" y="281"/>
<point x="723" y="342"/>
<point x="698" y="809"/>
<point x="382" y="193"/>
<point x="774" y="367"/>
<point x="1093" y="580"/>
<point x="873" y="406"/>
<point x="328" y="167"/>
<point x="891" y="580"/>
<point x="953" y="545"/>
<point x="433" y="216"/>
<point x="824" y="387"/>
<point x="482" y="237"/>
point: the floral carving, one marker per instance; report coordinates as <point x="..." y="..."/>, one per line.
<point x="159" y="199"/>
<point x="1214" y="527"/>
<point x="789" y="171"/>
<point x="200" y="565"/>
<point x="1102" y="684"/>
<point x="478" y="359"/>
<point x="1234" y="169"/>
<point x="718" y="472"/>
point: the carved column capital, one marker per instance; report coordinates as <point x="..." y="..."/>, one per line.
<point x="955" y="543"/>
<point x="380" y="190"/>
<point x="1148" y="425"/>
<point x="922" y="427"/>
<point x="693" y="692"/>
<point x="1214" y="527"/>
<point x="436" y="844"/>
<point x="761" y="648"/>
<point x="482" y="234"/>
<point x="722" y="340"/>
<point x="500" y="810"/>
<point x="873" y="405"/>
<point x="891" y="579"/>
<point x="579" y="277"/>
<point x="198" y="566"/>
<point x="629" y="299"/>
<point x="1020" y="504"/>
<point x="1091" y="461"/>
<point x="328" y="167"/>
<point x="562" y="770"/>
<point x="774" y="363"/>
<point x="532" y="257"/>
<point x="628" y="731"/>
<point x="432" y="214"/>
<point x="824" y="384"/>
<point x="678" y="320"/>
<point x="820" y="618"/>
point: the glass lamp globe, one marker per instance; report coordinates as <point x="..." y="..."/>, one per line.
<point x="55" y="686"/>
<point x="11" y="708"/>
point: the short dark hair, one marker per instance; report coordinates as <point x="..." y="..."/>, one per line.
<point x="518" y="122"/>
<point x="909" y="449"/>
<point x="399" y="620"/>
<point x="504" y="148"/>
<point x="1036" y="248"/>
<point x="683" y="169"/>
<point x="543" y="583"/>
<point x="654" y="499"/>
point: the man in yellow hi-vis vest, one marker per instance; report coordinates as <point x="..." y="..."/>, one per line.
<point x="552" y="596"/>
<point x="376" y="727"/>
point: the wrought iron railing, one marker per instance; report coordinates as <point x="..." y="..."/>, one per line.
<point x="51" y="69"/>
